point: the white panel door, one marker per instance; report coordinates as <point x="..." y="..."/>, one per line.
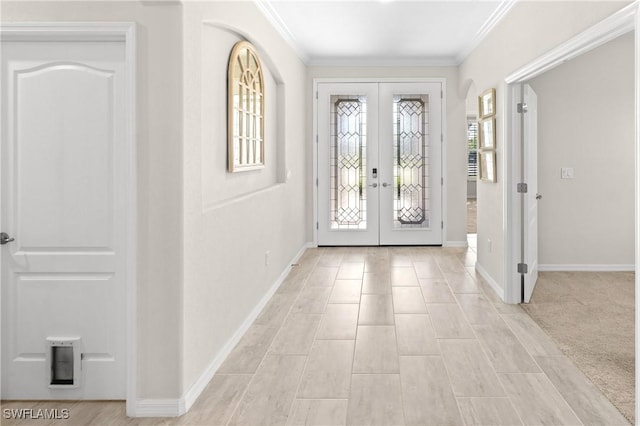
<point x="410" y="163"/>
<point x="347" y="164"/>
<point x="63" y="193"/>
<point x="530" y="126"/>
<point x="379" y="163"/>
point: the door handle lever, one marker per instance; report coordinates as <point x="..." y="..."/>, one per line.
<point x="5" y="238"/>
<point x="385" y="184"/>
<point x="374" y="185"/>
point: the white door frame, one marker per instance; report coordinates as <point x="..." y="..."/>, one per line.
<point x="621" y="22"/>
<point x="610" y="28"/>
<point x="442" y="81"/>
<point x="106" y="31"/>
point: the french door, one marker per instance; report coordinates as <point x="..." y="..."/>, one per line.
<point x="379" y="163"/>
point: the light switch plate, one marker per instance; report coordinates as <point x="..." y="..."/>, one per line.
<point x="566" y="172"/>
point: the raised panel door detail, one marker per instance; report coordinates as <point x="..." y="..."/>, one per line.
<point x="64" y="162"/>
<point x="64" y="192"/>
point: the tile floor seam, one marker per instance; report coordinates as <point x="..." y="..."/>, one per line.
<point x="355" y="341"/>
<point x="554" y="387"/>
<point x="457" y="302"/>
<point x="542" y="370"/>
<point x="244" y="393"/>
<point x="395" y="325"/>
<point x="313" y="344"/>
<point x="444" y="364"/>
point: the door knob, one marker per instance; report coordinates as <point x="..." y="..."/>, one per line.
<point x="374" y="185"/>
<point x="538" y="196"/>
<point x="385" y="184"/>
<point x="5" y="238"/>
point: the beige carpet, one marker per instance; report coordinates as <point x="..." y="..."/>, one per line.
<point x="590" y="315"/>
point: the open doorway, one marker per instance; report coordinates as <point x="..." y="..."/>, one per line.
<point x="585" y="178"/>
<point x="472" y="166"/>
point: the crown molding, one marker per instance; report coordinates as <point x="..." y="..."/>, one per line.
<point x="493" y="20"/>
<point x="384" y="62"/>
<point x="276" y="21"/>
<point x="620" y="23"/>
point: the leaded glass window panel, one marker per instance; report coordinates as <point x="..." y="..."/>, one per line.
<point x="246" y="109"/>
<point x="348" y="162"/>
<point x="411" y="162"/>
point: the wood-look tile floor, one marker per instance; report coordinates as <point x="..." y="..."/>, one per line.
<point x="383" y="336"/>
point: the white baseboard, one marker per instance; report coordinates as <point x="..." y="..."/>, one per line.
<point x="455" y="244"/>
<point x="159" y="407"/>
<point x="489" y="279"/>
<point x="586" y="268"/>
<point x="178" y="407"/>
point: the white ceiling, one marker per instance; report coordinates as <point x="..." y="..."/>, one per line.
<point x="378" y="32"/>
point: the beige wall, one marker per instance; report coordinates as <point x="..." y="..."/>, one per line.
<point x="231" y="220"/>
<point x="586" y="121"/>
<point x="528" y="31"/>
<point x="456" y="180"/>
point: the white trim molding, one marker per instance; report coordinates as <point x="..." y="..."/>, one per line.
<point x="586" y="268"/>
<point x="456" y="244"/>
<point x="108" y="31"/>
<point x="606" y="30"/>
<point x="276" y="21"/>
<point x="159" y="408"/>
<point x="178" y="407"/>
<point x="493" y="20"/>
<point x="489" y="279"/>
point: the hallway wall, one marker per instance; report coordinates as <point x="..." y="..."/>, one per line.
<point x="232" y="219"/>
<point x="455" y="166"/>
<point x="528" y="31"/>
<point x="586" y="121"/>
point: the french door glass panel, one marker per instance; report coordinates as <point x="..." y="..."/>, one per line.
<point x="378" y="169"/>
<point x="410" y="162"/>
<point x="348" y="162"/>
<point x="347" y="151"/>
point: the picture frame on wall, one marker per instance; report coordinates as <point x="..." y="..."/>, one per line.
<point x="487" y="103"/>
<point x="487" y="133"/>
<point x="487" y="165"/>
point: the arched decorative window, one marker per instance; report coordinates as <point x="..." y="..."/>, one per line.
<point x="246" y="109"/>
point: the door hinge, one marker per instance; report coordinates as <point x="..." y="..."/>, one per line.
<point x="522" y="188"/>
<point x="317" y="184"/>
<point x="441" y="94"/>
<point x="441" y="181"/>
<point x="317" y="138"/>
<point x="317" y="225"/>
<point x="442" y="224"/>
<point x="523" y="268"/>
<point x="522" y="108"/>
<point x="316" y="95"/>
<point x="441" y="138"/>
